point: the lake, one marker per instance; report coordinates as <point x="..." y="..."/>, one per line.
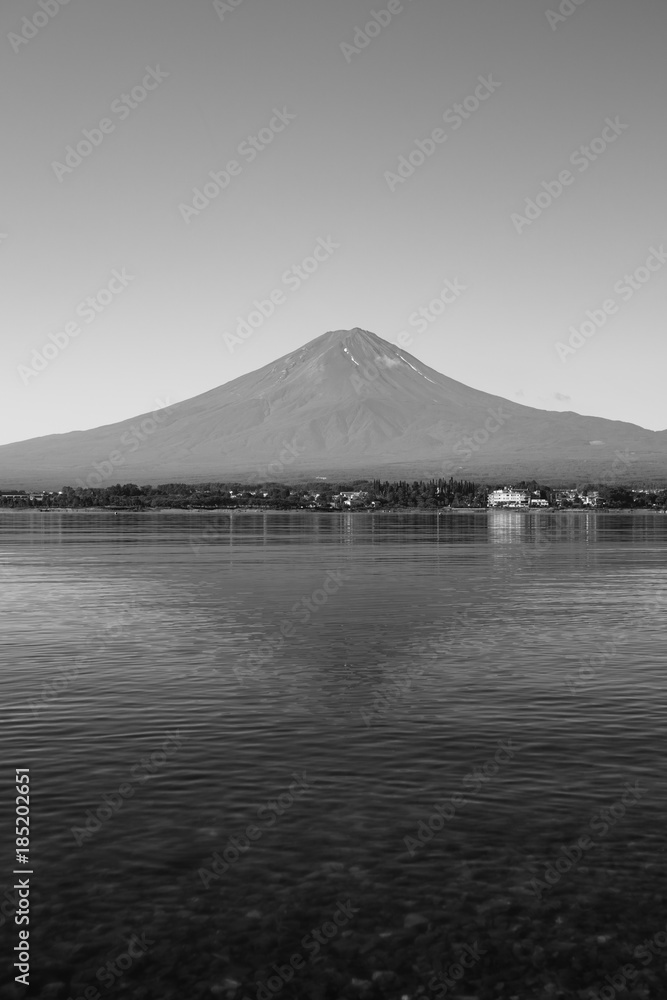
<point x="337" y="755"/>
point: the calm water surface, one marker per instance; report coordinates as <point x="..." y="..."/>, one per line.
<point x="168" y="677"/>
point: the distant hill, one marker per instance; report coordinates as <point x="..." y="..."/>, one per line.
<point x="347" y="404"/>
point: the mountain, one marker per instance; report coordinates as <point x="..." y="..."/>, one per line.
<point x="347" y="404"/>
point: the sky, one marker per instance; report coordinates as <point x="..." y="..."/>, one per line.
<point x="193" y="189"/>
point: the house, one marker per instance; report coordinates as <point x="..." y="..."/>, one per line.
<point x="591" y="499"/>
<point x="565" y="497"/>
<point x="349" y="497"/>
<point x="26" y="496"/>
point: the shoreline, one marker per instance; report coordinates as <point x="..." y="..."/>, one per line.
<point x="306" y="510"/>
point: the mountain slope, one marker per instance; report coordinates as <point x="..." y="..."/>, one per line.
<point x="347" y="403"/>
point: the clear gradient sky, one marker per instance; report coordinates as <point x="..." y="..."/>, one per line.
<point x="330" y="174"/>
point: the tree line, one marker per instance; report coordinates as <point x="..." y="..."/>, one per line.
<point x="428" y="494"/>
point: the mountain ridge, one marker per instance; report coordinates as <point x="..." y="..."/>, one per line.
<point x="347" y="402"/>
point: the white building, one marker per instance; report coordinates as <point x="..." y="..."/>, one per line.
<point x="509" y="497"/>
